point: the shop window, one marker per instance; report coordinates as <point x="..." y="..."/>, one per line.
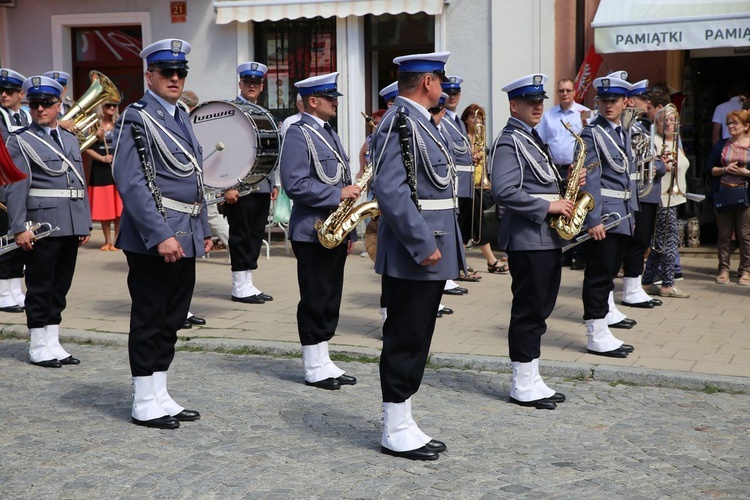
<point x="293" y="50"/>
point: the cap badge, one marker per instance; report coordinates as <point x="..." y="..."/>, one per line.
<point x="176" y="47"/>
<point x="4" y="74"/>
<point x="537" y="80"/>
<point x="453" y="79"/>
<point x="36" y="82"/>
<point x="56" y="75"/>
<point x="605" y="83"/>
<point x="254" y="66"/>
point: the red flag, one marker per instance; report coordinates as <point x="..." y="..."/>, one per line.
<point x="586" y="74"/>
<point x="8" y="171"/>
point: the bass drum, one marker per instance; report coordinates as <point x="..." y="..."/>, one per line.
<point x="240" y="142"/>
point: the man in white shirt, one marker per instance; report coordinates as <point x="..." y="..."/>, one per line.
<point x="720" y="130"/>
<point x="292" y="119"/>
<point x="561" y="142"/>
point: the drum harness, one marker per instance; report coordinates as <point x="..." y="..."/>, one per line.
<point x="172" y="164"/>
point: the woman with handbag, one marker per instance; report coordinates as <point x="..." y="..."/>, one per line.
<point x="729" y="167"/>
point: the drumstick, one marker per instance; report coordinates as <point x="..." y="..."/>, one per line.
<point x="219" y="147"/>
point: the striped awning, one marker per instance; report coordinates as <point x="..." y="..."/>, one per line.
<point x="243" y="11"/>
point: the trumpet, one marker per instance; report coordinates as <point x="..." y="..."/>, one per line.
<point x="40" y="230"/>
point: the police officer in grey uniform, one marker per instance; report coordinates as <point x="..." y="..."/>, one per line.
<point x="610" y="183"/>
<point x="633" y="294"/>
<point x="527" y="183"/>
<point x="157" y="169"/>
<point x="419" y="244"/>
<point x="462" y="153"/>
<point x="62" y="78"/>
<point x="54" y="191"/>
<point x="12" y="117"/>
<point x="248" y="215"/>
<point x="315" y="174"/>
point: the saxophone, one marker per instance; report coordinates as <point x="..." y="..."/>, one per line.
<point x="566" y="227"/>
<point x="344" y="219"/>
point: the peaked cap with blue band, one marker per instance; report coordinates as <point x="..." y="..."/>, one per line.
<point x="529" y="88"/>
<point x="453" y="85"/>
<point x="60" y="77"/>
<point x="10" y="79"/>
<point x="41" y="86"/>
<point x="168" y="53"/>
<point x="638" y="88"/>
<point x="319" y="85"/>
<point x="252" y="69"/>
<point x="423" y="63"/>
<point x="609" y="87"/>
<point x="390" y="92"/>
<point x="621" y="74"/>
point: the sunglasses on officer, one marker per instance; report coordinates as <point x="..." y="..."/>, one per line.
<point x="168" y="72"/>
<point x="252" y="82"/>
<point x="9" y="91"/>
<point x="44" y="103"/>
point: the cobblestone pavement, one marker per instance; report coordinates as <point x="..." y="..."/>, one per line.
<point x="263" y="434"/>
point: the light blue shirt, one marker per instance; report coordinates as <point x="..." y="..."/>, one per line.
<point x="561" y="143"/>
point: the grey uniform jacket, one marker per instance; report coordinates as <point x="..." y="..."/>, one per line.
<point x="407" y="236"/>
<point x="266" y="185"/>
<point x="71" y="215"/>
<point x="7" y="126"/>
<point x="313" y="198"/>
<point x="461" y="149"/>
<point x="525" y="223"/>
<point x="142" y="227"/>
<point x="605" y="147"/>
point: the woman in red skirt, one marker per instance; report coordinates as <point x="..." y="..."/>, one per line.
<point x="106" y="205"/>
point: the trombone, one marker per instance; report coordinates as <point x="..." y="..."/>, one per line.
<point x="481" y="181"/>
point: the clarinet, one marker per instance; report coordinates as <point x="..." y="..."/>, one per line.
<point x="407" y="155"/>
<point x="148" y="169"/>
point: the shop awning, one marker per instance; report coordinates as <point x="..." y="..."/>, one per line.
<point x="647" y="25"/>
<point x="273" y="10"/>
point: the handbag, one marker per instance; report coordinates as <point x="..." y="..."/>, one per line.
<point x="727" y="199"/>
<point x="282" y="209"/>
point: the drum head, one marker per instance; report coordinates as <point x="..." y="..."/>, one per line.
<point x="229" y="141"/>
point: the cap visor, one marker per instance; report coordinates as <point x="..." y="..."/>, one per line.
<point x="537" y="96"/>
<point x="329" y="93"/>
<point x="171" y="64"/>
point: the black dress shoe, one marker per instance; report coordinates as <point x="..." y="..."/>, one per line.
<point x="614" y="353"/>
<point x="265" y="297"/>
<point x="186" y="325"/>
<point x="453" y="291"/>
<point x="252" y="299"/>
<point x="423" y="453"/>
<point x="556" y="398"/>
<point x="12" y="309"/>
<point x="50" y="363"/>
<point x="627" y="348"/>
<point x="195" y="320"/>
<point x="187" y="416"/>
<point x="539" y="404"/>
<point x="445" y="310"/>
<point x="640" y="305"/>
<point x="70" y="360"/>
<point x="329" y="383"/>
<point x="436" y="445"/>
<point x="625" y="324"/>
<point x="165" y="422"/>
<point x="439" y="315"/>
<point x="346" y="380"/>
<point x="656" y="302"/>
<point x="462" y="289"/>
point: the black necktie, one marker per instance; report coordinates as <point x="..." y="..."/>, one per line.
<point x="537" y="137"/>
<point x="184" y="129"/>
<point x="619" y="134"/>
<point x="56" y="137"/>
<point x="458" y="123"/>
<point x="17" y="119"/>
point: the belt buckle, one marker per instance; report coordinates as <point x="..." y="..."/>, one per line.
<point x="75" y="194"/>
<point x="196" y="210"/>
<point x="627" y="194"/>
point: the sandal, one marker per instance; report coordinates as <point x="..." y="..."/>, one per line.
<point x="497" y="267"/>
<point x="723" y="278"/>
<point x="472" y="276"/>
